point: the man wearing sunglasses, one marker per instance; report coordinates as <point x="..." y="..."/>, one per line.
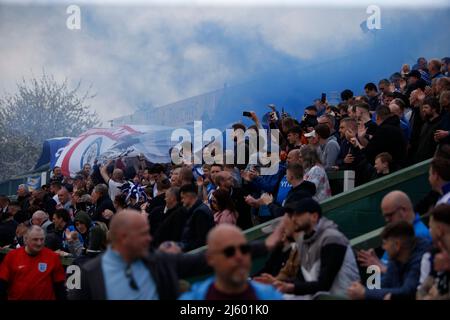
<point x="128" y="270"/>
<point x="228" y="254"/>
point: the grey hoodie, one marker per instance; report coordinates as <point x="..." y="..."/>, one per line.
<point x="329" y="152"/>
<point x="326" y="232"/>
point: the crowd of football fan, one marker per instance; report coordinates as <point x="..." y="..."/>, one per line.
<point x="128" y="223"/>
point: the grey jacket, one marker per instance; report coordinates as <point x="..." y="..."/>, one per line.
<point x="326" y="233"/>
<point x="329" y="152"/>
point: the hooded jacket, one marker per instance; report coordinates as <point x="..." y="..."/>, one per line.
<point x="327" y="262"/>
<point x="93" y="239"/>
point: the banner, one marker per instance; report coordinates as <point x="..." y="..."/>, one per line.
<point x="34" y="183"/>
<point x="51" y="151"/>
<point x="89" y="145"/>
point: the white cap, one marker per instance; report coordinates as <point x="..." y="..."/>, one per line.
<point x="311" y="134"/>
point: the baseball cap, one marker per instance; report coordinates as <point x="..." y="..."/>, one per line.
<point x="304" y="205"/>
<point x="311" y="134"/>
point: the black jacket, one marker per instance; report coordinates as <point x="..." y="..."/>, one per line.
<point x="304" y="190"/>
<point x="7" y="232"/>
<point x="49" y="205"/>
<point x="426" y="145"/>
<point x="171" y="226"/>
<point x="158" y="201"/>
<point x="445" y="125"/>
<point x="416" y="122"/>
<point x="200" y="221"/>
<point x="102" y="204"/>
<point x="24" y="202"/>
<point x="244" y="220"/>
<point x="388" y="138"/>
<point x="364" y="171"/>
<point x="371" y="127"/>
<point x="165" y="269"/>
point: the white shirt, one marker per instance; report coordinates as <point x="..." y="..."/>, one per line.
<point x="114" y="188"/>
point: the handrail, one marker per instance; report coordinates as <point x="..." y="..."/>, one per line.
<point x="357" y="193"/>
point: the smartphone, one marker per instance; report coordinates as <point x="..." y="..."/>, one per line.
<point x="247" y="114"/>
<point x="323" y="98"/>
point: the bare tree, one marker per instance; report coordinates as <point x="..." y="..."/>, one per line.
<point x="40" y="109"/>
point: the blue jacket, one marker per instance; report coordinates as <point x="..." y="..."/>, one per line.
<point x="401" y="280"/>
<point x="200" y="289"/>
<point x="266" y="183"/>
<point x="420" y="230"/>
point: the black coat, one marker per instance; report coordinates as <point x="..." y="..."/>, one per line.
<point x="445" y="125"/>
<point x="24" y="202"/>
<point x="171" y="225"/>
<point x="426" y="145"/>
<point x="388" y="138"/>
<point x="244" y="220"/>
<point x="304" y="190"/>
<point x="102" y="204"/>
<point x="165" y="269"/>
<point x="158" y="201"/>
<point x="7" y="232"/>
<point x="200" y="221"/>
<point x="416" y="122"/>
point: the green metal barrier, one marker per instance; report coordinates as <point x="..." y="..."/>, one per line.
<point x="357" y="212"/>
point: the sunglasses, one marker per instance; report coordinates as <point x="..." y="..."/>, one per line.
<point x="231" y="250"/>
<point x="129" y="275"/>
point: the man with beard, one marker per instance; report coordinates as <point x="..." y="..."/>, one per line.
<point x="427" y="145"/>
<point x="228" y="254"/>
<point x="128" y="270"/>
<point x="327" y="262"/>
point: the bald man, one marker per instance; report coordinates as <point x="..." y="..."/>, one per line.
<point x="395" y="206"/>
<point x="32" y="272"/>
<point x="115" y="182"/>
<point x="129" y="271"/>
<point x="228" y="254"/>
